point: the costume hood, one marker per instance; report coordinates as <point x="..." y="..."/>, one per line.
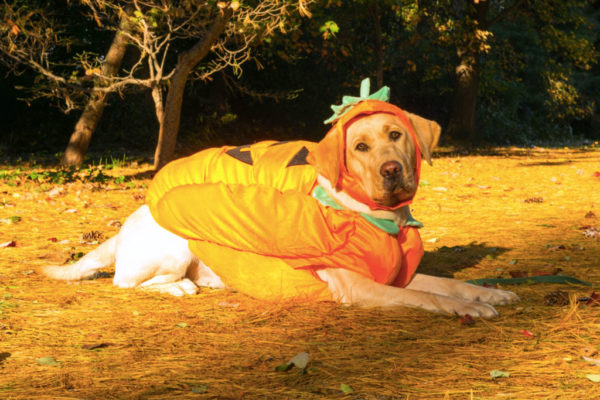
<point x="329" y="159"/>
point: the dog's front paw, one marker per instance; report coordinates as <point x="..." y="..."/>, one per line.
<point x="494" y="296"/>
<point x="472" y="292"/>
<point x="179" y="288"/>
<point x="500" y="297"/>
<point x="473" y="308"/>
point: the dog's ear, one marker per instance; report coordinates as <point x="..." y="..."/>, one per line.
<point x="428" y="134"/>
<point x="325" y="156"/>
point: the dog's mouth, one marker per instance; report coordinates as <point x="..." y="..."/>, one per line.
<point x="394" y="183"/>
<point x="395" y="186"/>
<point x="395" y="191"/>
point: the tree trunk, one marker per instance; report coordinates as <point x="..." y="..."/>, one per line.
<point x="462" y="121"/>
<point x="85" y="127"/>
<point x="169" y="126"/>
<point x="376" y="15"/>
<point x="159" y="108"/>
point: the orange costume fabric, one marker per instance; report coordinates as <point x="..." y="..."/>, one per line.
<point x="248" y="214"/>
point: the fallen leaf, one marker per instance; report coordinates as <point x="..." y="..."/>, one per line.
<point x="11" y="243"/>
<point x="513" y="262"/>
<point x="76" y="256"/>
<point x="300" y="360"/>
<point x="555" y="271"/>
<point x="555" y="248"/>
<point x="14" y="29"/>
<point x="3" y="356"/>
<point x="439" y="189"/>
<point x="199" y="389"/>
<point x="95" y="346"/>
<point x="518" y="274"/>
<point x="432" y="240"/>
<point x="593" y="377"/>
<point x="228" y="304"/>
<point x="53" y="239"/>
<point x="596" y="174"/>
<point x="595" y="362"/>
<point x="92" y="235"/>
<point x="590" y="214"/>
<point x="181" y="325"/>
<point x="534" y="200"/>
<point x="466" y="320"/>
<point x="591" y="232"/>
<point x="346" y="389"/>
<point x="593" y="299"/>
<point x="71" y="211"/>
<point x="115" y="223"/>
<point x="526" y="333"/>
<point x="284" y="367"/>
<point x="498" y="374"/>
<point x="11" y="220"/>
<point x="55" y="192"/>
<point x="50" y="361"/>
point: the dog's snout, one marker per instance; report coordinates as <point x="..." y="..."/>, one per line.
<point x="390" y="169"/>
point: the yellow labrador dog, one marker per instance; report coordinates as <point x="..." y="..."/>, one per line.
<point x="381" y="154"/>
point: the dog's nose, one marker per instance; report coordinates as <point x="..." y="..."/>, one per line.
<point x="390" y="169"/>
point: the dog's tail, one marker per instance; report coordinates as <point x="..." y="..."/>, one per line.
<point x="101" y="257"/>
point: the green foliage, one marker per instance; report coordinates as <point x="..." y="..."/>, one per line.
<point x="91" y="174"/>
<point x="539" y="78"/>
<point x="540" y="82"/>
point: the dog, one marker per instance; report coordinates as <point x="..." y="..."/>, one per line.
<point x="368" y="165"/>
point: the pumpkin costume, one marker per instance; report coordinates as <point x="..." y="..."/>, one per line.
<point x="255" y="215"/>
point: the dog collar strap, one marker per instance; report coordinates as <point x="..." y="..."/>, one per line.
<point x="386" y="225"/>
<point x="413" y="222"/>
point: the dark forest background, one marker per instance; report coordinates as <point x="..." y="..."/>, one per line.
<point x="527" y="71"/>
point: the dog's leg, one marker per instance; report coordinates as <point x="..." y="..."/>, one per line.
<point x="149" y="255"/>
<point x="170" y="284"/>
<point x="461" y="290"/>
<point x="203" y="276"/>
<point x="352" y="288"/>
<point x="198" y="274"/>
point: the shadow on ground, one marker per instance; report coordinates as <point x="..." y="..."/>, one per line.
<point x="444" y="261"/>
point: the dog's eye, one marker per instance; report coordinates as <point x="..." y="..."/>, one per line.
<point x="395" y="135"/>
<point x="362" y="147"/>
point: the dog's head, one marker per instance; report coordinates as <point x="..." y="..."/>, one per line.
<point x="373" y="153"/>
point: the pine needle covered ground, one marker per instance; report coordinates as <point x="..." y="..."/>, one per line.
<point x="511" y="211"/>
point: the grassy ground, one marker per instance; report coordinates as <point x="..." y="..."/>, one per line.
<point x="485" y="215"/>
